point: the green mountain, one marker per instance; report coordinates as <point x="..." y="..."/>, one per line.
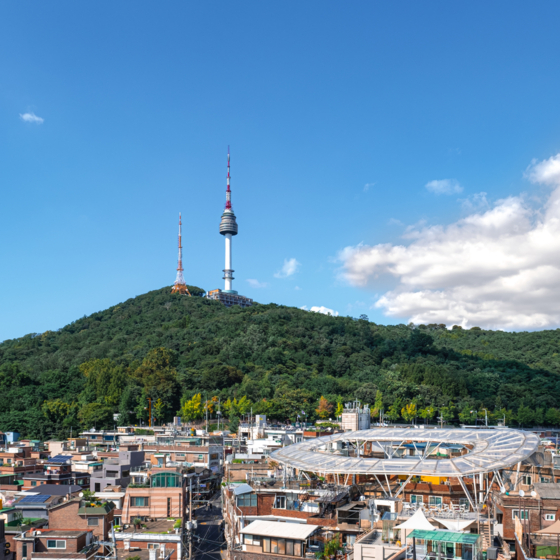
<point x="272" y="359"/>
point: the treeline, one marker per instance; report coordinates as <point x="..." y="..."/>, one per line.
<point x="183" y="352"/>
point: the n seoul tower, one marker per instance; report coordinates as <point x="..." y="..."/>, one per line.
<point x="228" y="228"/>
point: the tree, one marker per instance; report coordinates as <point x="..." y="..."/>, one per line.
<point x="192" y="409"/>
<point x="378" y="405"/>
<point x="427" y="413"/>
<point x="325" y="408"/>
<point x="339" y="409"/>
<point x="96" y="415"/>
<point x="409" y="412"/>
<point x="158" y="376"/>
<point x="393" y="412"/>
<point x="553" y="417"/>
<point x="524" y="416"/>
<point x="447" y="413"/>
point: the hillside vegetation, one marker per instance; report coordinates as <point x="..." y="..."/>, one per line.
<point x="280" y="361"/>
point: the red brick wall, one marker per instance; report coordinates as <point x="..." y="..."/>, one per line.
<point x="292" y="513"/>
<point x="65" y="516"/>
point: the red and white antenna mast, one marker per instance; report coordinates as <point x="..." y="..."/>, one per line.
<point x="180" y="287"/>
<point x="228" y="191"/>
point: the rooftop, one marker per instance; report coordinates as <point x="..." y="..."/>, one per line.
<point x="488" y="450"/>
<point x="280" y="530"/>
<point x="161" y="527"/>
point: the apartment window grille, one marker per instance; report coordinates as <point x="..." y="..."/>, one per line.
<point x="56" y="544"/>
<point x="414" y="499"/>
<point x="549" y="516"/>
<point x="435" y="501"/>
<point x="93" y="521"/>
<point x="527" y="480"/>
<point x="524" y="514"/>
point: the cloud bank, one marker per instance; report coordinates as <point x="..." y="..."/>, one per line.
<point x="499" y="267"/>
<point x="31" y="118"/>
<point x="290" y="267"/>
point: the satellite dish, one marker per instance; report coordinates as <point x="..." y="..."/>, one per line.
<point x="503" y="490"/>
<point x="521" y="493"/>
<point x="533" y="494"/>
<point x="81" y="494"/>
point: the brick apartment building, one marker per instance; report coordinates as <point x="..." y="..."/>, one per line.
<point x="163" y="495"/>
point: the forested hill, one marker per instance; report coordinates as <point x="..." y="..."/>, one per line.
<point x="280" y="361"/>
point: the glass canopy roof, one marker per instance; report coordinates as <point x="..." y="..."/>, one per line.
<point x="487" y="450"/>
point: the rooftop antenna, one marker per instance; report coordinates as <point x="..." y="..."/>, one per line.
<point x="180" y="287"/>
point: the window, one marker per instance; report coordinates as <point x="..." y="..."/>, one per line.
<point x="527" y="480"/>
<point x="435" y="501"/>
<point x="136" y="501"/>
<point x="93" y="521"/>
<point x="416" y="499"/>
<point x="33" y="483"/>
<point x="201" y="457"/>
<point x="515" y="513"/>
<point x="98" y="487"/>
<point x="24" y="550"/>
<point x="266" y="544"/>
<point x="247" y="500"/>
<point x="280" y="502"/>
<point x="153" y="545"/>
<point x="545" y="479"/>
<point x="166" y="480"/>
<point x="56" y="544"/>
<point x="214" y="456"/>
<point x="290" y="548"/>
<point x="550" y="516"/>
<point x="298" y="548"/>
<point x="464" y="502"/>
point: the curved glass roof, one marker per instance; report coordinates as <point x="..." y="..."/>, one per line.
<point x="487" y="450"/>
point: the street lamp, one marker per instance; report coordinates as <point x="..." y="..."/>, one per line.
<point x="475" y="412"/>
<point x="486" y="416"/>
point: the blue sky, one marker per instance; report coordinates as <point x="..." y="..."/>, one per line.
<point x="362" y="135"/>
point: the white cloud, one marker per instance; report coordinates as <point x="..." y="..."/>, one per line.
<point x="297" y="288"/>
<point x="304" y="307"/>
<point x="367" y="186"/>
<point x="256" y="284"/>
<point x="31" y="118"/>
<point x="394" y="222"/>
<point x="324" y="310"/>
<point x="289" y="267"/>
<point x="546" y="172"/>
<point x="495" y="268"/>
<point x="444" y="186"/>
<point x="475" y="202"/>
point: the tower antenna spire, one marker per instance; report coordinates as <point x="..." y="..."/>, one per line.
<point x="180" y="286"/>
<point x="228" y="191"/>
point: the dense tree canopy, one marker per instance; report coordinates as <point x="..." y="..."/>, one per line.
<point x="287" y="363"/>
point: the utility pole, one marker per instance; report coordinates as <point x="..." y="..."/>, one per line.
<point x="206" y="412"/>
<point x="190" y="518"/>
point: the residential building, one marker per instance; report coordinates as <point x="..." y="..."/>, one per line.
<point x="55" y="544"/>
<point x="161" y="535"/>
<point x="90" y="515"/>
<point x="58" y="470"/>
<point x="116" y="471"/>
<point x="163" y="495"/>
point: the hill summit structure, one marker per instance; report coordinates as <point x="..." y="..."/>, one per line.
<point x="180" y="286"/>
<point x="228" y="228"/>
